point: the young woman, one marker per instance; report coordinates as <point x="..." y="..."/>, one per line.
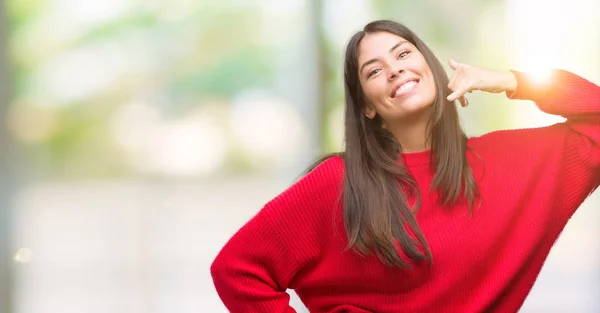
<point x="414" y="216"/>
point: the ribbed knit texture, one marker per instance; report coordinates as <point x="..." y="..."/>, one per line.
<point x="531" y="182"/>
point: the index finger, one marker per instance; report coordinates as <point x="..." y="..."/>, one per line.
<point x="456" y="94"/>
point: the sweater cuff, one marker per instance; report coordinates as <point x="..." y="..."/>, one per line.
<point x="529" y="87"/>
<point x="523" y="89"/>
<point x="511" y="94"/>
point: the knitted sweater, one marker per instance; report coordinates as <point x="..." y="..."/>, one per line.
<point x="531" y="182"/>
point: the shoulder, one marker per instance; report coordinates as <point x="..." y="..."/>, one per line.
<point x="303" y="213"/>
<point x="326" y="175"/>
<point x="319" y="188"/>
<point x="330" y="170"/>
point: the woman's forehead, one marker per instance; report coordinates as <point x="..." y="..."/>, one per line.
<point x="375" y="45"/>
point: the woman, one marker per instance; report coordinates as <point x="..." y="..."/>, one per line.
<point x="414" y="216"/>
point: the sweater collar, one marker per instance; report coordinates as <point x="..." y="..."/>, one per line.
<point x="416" y="158"/>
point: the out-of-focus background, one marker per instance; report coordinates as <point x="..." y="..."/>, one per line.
<point x="137" y="136"/>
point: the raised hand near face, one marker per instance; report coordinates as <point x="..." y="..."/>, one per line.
<point x="467" y="78"/>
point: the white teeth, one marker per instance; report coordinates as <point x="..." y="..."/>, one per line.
<point x="406" y="86"/>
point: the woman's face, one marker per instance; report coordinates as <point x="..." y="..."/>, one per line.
<point x="396" y="79"/>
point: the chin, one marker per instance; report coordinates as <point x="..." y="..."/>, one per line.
<point x="417" y="105"/>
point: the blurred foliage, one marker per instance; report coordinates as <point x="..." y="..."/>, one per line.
<point x="249" y="66"/>
<point x="180" y="56"/>
<point x="207" y="50"/>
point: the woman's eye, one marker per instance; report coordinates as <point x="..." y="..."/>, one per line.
<point x="373" y="72"/>
<point x="403" y="54"/>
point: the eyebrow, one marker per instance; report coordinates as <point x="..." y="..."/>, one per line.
<point x="371" y="61"/>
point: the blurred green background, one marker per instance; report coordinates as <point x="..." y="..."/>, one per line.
<point x="137" y="136"/>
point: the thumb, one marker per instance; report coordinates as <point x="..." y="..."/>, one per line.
<point x="453" y="64"/>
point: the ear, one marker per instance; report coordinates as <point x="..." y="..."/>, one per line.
<point x="370" y="112"/>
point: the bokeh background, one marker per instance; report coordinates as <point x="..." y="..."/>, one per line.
<point x="136" y="136"/>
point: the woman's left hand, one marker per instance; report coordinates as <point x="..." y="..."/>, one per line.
<point x="468" y="78"/>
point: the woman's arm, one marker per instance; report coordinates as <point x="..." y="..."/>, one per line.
<point x="259" y="263"/>
<point x="573" y="146"/>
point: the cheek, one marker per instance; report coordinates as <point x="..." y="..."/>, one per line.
<point x="431" y="88"/>
<point x="375" y="92"/>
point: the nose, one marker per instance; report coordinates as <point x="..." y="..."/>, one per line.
<point x="395" y="72"/>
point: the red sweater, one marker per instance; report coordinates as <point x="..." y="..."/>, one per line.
<point x="531" y="182"/>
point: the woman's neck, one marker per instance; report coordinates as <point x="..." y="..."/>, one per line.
<point x="412" y="136"/>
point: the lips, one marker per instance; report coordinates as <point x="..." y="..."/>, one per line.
<point x="404" y="87"/>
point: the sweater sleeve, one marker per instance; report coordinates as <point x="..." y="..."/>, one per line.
<point x="260" y="262"/>
<point x="577" y="140"/>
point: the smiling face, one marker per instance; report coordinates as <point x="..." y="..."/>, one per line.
<point x="395" y="78"/>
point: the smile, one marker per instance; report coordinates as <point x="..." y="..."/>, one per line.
<point x="405" y="88"/>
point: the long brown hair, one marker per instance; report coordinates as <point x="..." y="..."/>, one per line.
<point x="376" y="185"/>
